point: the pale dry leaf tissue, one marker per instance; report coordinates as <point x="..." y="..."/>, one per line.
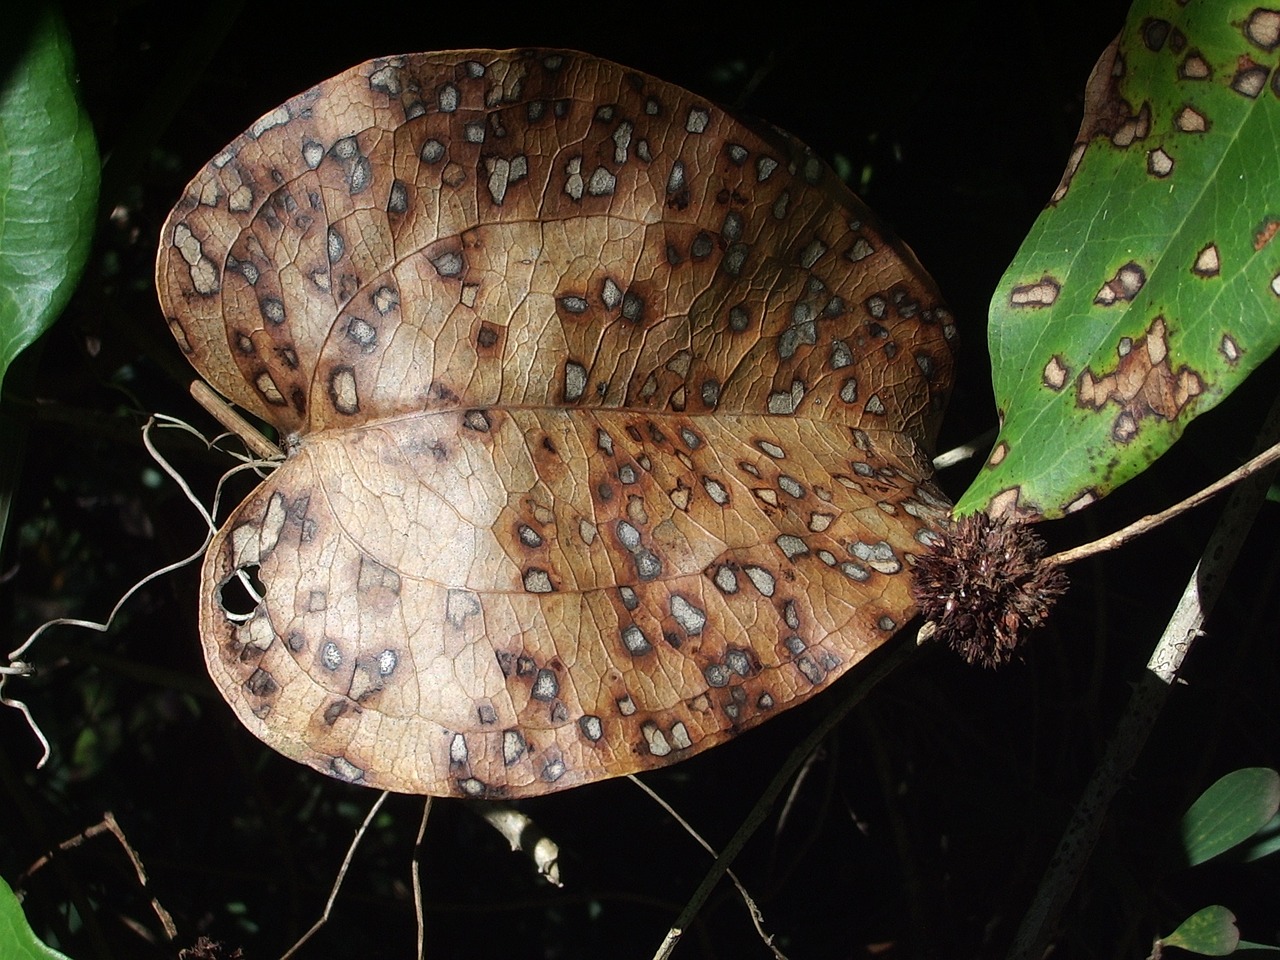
<point x="607" y="421"/>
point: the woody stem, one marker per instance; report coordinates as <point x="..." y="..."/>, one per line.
<point x="1150" y="522"/>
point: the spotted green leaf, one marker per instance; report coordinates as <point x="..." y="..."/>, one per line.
<point x="1150" y="286"/>
<point x="17" y="942"/>
<point x="1231" y="811"/>
<point x="1210" y="932"/>
<point x="48" y="180"/>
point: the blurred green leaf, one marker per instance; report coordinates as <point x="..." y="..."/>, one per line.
<point x="1150" y="286"/>
<point x="48" y="179"/>
<point x="1263" y="843"/>
<point x="1210" y="932"/>
<point x="1230" y="812"/>
<point x="17" y="941"/>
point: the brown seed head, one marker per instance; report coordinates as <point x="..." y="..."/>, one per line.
<point x="985" y="586"/>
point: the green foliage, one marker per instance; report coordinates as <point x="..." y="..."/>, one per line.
<point x="1240" y="805"/>
<point x="1150" y="286"/>
<point x="1210" y="932"/>
<point x="1264" y="842"/>
<point x="17" y="942"/>
<point x="48" y="179"/>
<point x="1231" y="811"/>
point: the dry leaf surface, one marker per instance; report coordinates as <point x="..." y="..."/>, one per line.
<point x="607" y="421"/>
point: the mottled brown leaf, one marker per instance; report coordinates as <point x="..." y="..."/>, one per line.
<point x="607" y="417"/>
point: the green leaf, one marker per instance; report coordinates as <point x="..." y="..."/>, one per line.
<point x="48" y="179"/>
<point x="1210" y="932"/>
<point x="1230" y="812"/>
<point x="17" y="942"/>
<point x="1264" y="842"/>
<point x="1150" y="286"/>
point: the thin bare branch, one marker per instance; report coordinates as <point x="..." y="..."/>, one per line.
<point x="757" y="918"/>
<point x="108" y="824"/>
<point x="415" y="870"/>
<point x="1139" y="527"/>
<point x="965" y="451"/>
<point x="878" y="666"/>
<point x="342" y="875"/>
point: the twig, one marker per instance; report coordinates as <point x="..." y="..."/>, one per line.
<point x="757" y="918"/>
<point x="524" y="836"/>
<point x="794" y="792"/>
<point x="226" y="415"/>
<point x="1145" y="524"/>
<point x="966" y="450"/>
<point x="108" y="824"/>
<point x="1040" y="922"/>
<point x="342" y="875"/>
<point x="415" y="871"/>
<point x="877" y="667"/>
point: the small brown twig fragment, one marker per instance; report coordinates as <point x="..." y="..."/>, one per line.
<point x="206" y="949"/>
<point x="223" y="412"/>
<point x="108" y="824"/>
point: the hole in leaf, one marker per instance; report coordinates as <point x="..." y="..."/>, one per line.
<point x="241" y="593"/>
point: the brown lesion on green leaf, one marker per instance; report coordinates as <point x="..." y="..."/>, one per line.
<point x="1229" y="349"/>
<point x="1008" y="504"/>
<point x="1154" y="33"/>
<point x="1125" y="285"/>
<point x="1073" y="164"/>
<point x="1194" y="66"/>
<point x="1042" y="293"/>
<point x="1250" y="77"/>
<point x="1208" y="262"/>
<point x="1081" y="501"/>
<point x="1263" y="28"/>
<point x="1265" y="231"/>
<point x="1190" y="120"/>
<point x="1106" y="114"/>
<point x="1133" y="128"/>
<point x="1143" y="384"/>
<point x="1056" y="373"/>
<point x="1159" y="163"/>
<point x="998" y="454"/>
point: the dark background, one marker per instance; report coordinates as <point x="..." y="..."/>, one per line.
<point x="926" y="820"/>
